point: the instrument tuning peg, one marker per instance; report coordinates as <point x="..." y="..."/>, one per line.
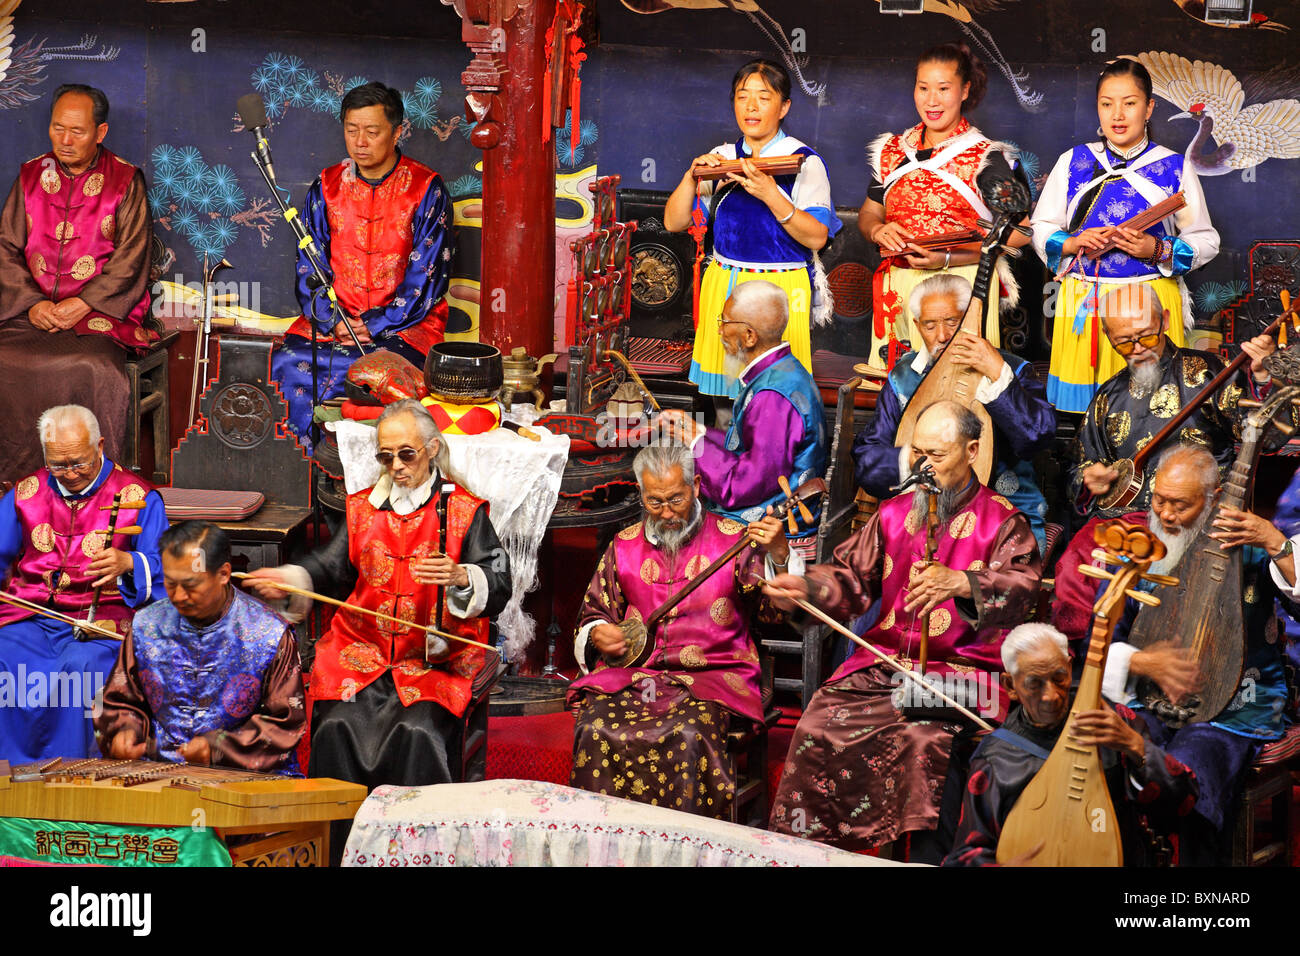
<point x="1248" y="403"/>
<point x="1024" y="231"/>
<point x="1092" y="571"/>
<point x="1010" y="252"/>
<point x="984" y="224"/>
<point x="1167" y="580"/>
<point x="1150" y="600"/>
<point x="1285" y="428"/>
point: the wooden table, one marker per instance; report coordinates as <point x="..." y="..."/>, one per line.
<point x="266" y="538"/>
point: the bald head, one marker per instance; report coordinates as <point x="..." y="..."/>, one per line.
<point x="1131" y="311"/>
<point x="947" y="436"/>
<point x="761" y="305"/>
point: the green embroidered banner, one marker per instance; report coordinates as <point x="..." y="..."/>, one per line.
<point x="109" y="844"/>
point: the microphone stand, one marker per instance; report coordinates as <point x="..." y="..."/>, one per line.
<point x="308" y="245"/>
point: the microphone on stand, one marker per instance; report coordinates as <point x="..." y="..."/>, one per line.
<point x="921" y="473"/>
<point x="252" y="113"/>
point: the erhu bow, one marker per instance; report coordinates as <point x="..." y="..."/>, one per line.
<point x="945" y="380"/>
<point x="1066" y="808"/>
<point x="638" y="634"/>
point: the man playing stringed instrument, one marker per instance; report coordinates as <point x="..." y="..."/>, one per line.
<point x="1139" y="775"/>
<point x="386" y="707"/>
<point x="1160" y="378"/>
<point x="776" y="430"/>
<point x="657" y="733"/>
<point x="1185" y="488"/>
<point x="860" y="772"/>
<point x="61" y="562"/>
<point x="1024" y="422"/>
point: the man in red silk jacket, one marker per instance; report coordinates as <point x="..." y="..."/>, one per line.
<point x="74" y="270"/>
<point x="382" y="223"/>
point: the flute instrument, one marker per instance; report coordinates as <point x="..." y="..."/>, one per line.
<point x="771" y="165"/>
<point x="941" y="240"/>
<point x="1139" y="223"/>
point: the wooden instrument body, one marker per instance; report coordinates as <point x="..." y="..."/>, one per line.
<point x="1204" y="613"/>
<point x="947" y="379"/>
<point x="958" y="239"/>
<point x="1066" y="808"/>
<point x="1126" y="488"/>
<point x="771" y="165"/>
<point x="229" y="799"/>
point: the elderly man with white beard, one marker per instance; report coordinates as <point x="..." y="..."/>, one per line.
<point x="860" y="771"/>
<point x="1184" y="488"/>
<point x="657" y="732"/>
<point x="776" y="431"/>
<point x="1160" y="379"/>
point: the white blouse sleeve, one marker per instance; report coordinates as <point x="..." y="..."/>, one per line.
<point x="1048" y="217"/>
<point x="1193" y="220"/>
<point x="706" y="188"/>
<point x="812" y="187"/>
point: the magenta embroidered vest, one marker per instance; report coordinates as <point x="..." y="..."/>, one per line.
<point x="59" y="541"/>
<point x="964" y="544"/>
<point x="71" y="225"/>
<point x="705" y="642"/>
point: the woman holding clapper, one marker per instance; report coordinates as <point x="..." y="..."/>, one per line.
<point x="764" y="227"/>
<point x="925" y="185"/>
<point x="1078" y="232"/>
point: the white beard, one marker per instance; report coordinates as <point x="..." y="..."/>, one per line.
<point x="733" y="365"/>
<point x="671" y="540"/>
<point x="1176" y="543"/>
<point x="1145" y="376"/>
<point x="944" y="506"/>
<point x="405" y="500"/>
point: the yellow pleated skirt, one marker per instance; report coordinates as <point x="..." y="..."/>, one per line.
<point x="715" y="288"/>
<point x="1072" y="380"/>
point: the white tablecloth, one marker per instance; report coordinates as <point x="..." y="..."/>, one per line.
<point x="530" y="823"/>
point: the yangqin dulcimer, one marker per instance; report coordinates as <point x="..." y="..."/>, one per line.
<point x="1064" y="816"/>
<point x="159" y="793"/>
<point x="1204" y="613"/>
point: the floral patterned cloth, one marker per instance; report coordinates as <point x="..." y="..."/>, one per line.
<point x="530" y="823"/>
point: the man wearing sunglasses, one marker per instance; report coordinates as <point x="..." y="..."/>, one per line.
<point x="386" y="704"/>
<point x="1159" y="380"/>
<point x="53" y="548"/>
<point x="1023" y="421"/>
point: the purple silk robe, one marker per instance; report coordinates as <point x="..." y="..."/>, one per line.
<point x="704" y="644"/>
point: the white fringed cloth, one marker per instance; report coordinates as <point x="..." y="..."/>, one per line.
<point x="520" y="480"/>
<point x="531" y="823"/>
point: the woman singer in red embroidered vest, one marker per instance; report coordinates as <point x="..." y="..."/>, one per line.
<point x="925" y="183"/>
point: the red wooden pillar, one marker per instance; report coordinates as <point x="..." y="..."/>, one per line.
<point x="505" y="84"/>
<point x="519" y="199"/>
